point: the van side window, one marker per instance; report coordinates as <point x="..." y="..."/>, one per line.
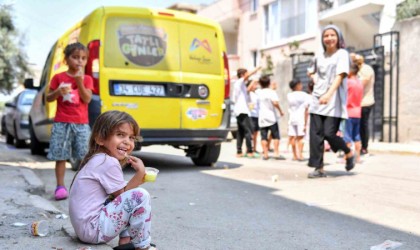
<point x="46" y="71"/>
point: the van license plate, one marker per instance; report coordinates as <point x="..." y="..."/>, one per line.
<point x="138" y="89"/>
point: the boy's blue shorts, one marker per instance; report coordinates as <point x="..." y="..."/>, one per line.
<point x="68" y="140"/>
<point x="352" y="130"/>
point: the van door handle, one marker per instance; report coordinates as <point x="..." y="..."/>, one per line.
<point x="180" y="89"/>
<point x="202" y="102"/>
<point x="176" y="90"/>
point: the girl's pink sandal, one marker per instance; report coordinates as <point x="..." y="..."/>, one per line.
<point x="60" y="193"/>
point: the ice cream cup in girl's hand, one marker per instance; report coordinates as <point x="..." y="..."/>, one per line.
<point x="151" y="174"/>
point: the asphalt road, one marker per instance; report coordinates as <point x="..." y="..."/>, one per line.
<point x="255" y="204"/>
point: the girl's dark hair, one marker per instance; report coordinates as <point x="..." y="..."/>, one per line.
<point x="240" y="72"/>
<point x="264" y="81"/>
<point x="70" y="48"/>
<point x="293" y="83"/>
<point x="103" y="128"/>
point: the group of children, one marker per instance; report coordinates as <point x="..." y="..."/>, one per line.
<point x="102" y="205"/>
<point x="336" y="97"/>
<point x="257" y="109"/>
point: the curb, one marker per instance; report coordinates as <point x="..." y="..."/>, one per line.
<point x="395" y="148"/>
<point x="35" y="185"/>
<point x="396" y="152"/>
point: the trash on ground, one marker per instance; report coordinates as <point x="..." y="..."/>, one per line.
<point x="19" y="224"/>
<point x="61" y="216"/>
<point x="275" y="178"/>
<point x="84" y="248"/>
<point x="387" y="245"/>
<point x="40" y="228"/>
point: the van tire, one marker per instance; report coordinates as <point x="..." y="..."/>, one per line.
<point x="207" y="155"/>
<point x="37" y="148"/>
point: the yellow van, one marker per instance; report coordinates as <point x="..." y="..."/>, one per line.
<point x="168" y="69"/>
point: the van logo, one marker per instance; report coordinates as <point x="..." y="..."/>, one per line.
<point x="141" y="44"/>
<point x="196" y="113"/>
<point x="196" y="43"/>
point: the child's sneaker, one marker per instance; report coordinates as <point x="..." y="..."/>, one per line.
<point x="61" y="193"/>
<point x="317" y="174"/>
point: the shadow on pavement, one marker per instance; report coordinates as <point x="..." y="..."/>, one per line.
<point x="169" y="162"/>
<point x="202" y="211"/>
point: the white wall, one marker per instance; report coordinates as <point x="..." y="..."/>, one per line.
<point x="409" y="90"/>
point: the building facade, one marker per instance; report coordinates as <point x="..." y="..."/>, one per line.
<point x="277" y="34"/>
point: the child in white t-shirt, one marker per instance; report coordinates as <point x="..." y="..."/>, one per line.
<point x="267" y="119"/>
<point x="254" y="106"/>
<point x="298" y="101"/>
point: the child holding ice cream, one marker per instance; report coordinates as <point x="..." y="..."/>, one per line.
<point x="102" y="205"/>
<point x="70" y="132"/>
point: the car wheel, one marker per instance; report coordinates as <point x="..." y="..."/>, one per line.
<point x="75" y="163"/>
<point x="37" y="148"/>
<point x="207" y="155"/>
<point x="3" y="126"/>
<point x="9" y="138"/>
<point x="19" y="143"/>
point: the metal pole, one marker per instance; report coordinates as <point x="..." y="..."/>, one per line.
<point x="397" y="54"/>
<point x="390" y="90"/>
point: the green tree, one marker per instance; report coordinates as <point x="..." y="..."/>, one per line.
<point x="13" y="61"/>
<point x="407" y="9"/>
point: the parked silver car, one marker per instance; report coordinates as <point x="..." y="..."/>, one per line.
<point x="17" y="118"/>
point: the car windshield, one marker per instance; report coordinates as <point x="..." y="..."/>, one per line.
<point x="27" y="99"/>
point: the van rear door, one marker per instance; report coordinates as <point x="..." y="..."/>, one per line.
<point x="142" y="68"/>
<point x="201" y="55"/>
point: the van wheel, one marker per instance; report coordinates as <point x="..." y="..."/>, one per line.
<point x="75" y="163"/>
<point x="207" y="155"/>
<point x="19" y="143"/>
<point x="37" y="148"/>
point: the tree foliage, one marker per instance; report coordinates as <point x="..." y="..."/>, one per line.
<point x="407" y="9"/>
<point x="13" y="61"/>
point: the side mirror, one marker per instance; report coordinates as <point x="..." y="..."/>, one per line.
<point x="10" y="105"/>
<point x="29" y="84"/>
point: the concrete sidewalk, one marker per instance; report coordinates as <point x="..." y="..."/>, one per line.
<point x="21" y="193"/>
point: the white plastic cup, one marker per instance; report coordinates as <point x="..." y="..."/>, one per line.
<point x="151" y="174"/>
<point x="39" y="228"/>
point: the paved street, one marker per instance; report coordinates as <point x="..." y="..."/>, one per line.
<point x="251" y="203"/>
